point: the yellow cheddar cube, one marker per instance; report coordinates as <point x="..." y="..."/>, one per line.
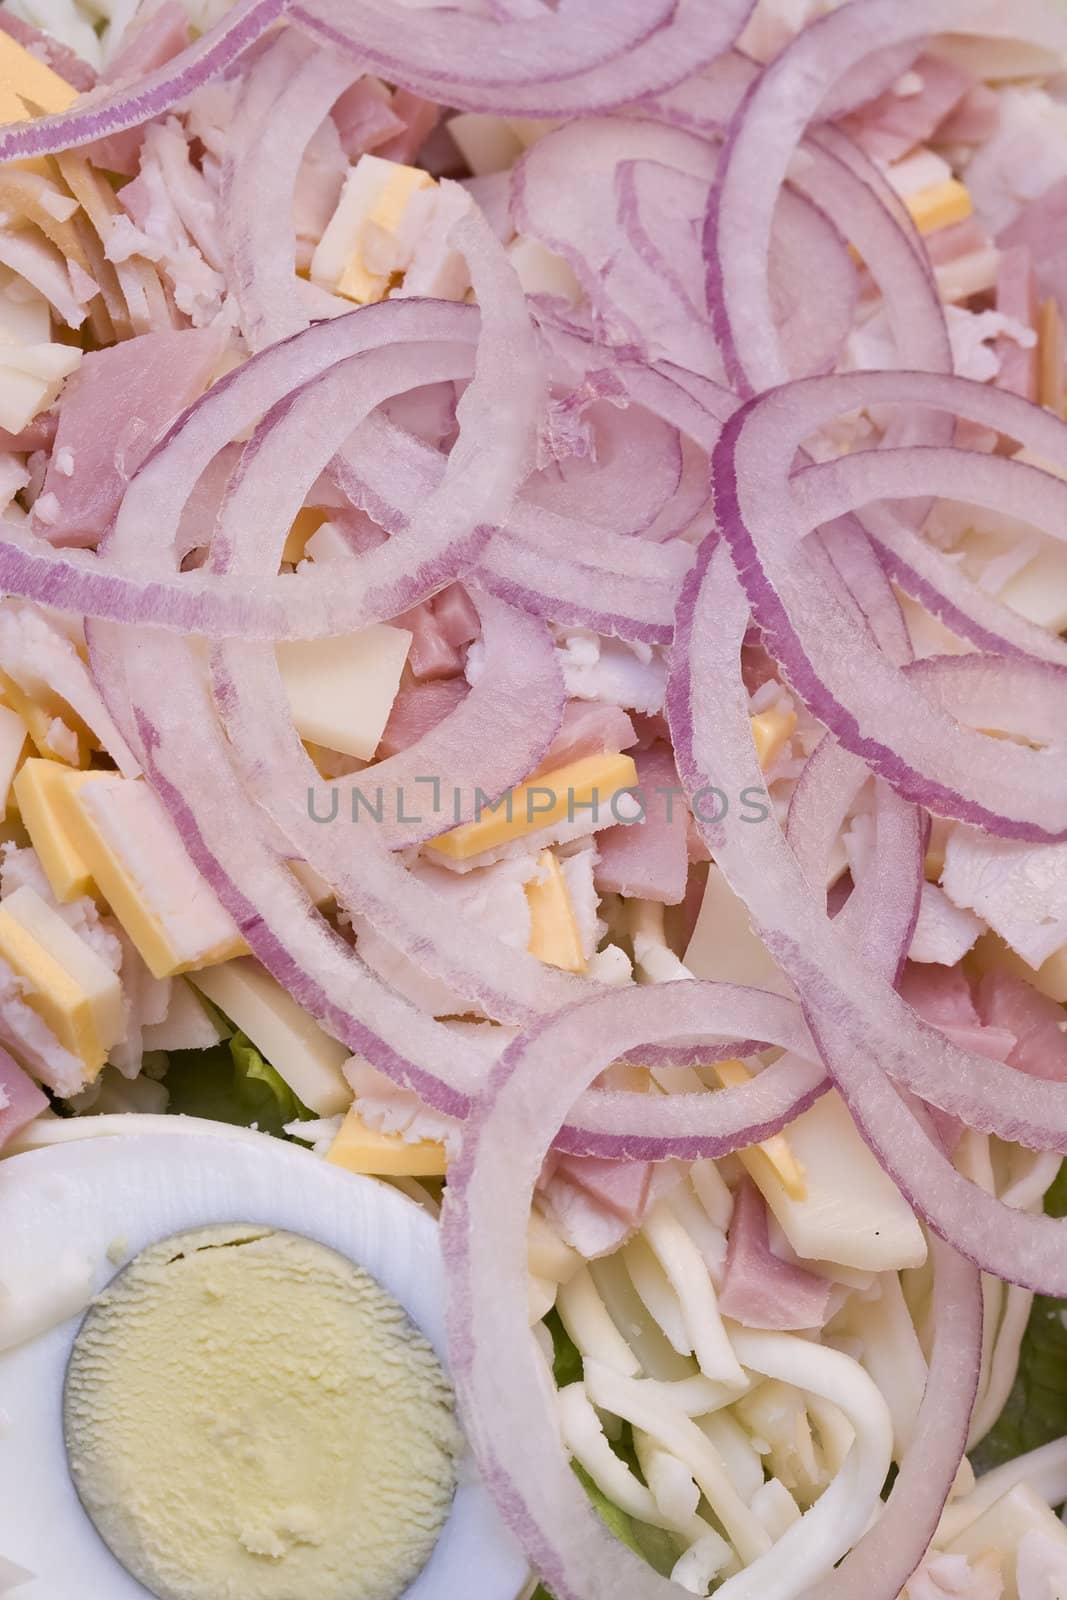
<point x="42" y="793"/>
<point x="940" y="206"/>
<point x="25" y="78"/>
<point x="306" y="522"/>
<point x="384" y="1155"/>
<point x="136" y="860"/>
<point x="554" y="935"/>
<point x="585" y="787"/>
<point x="774" y="1151"/>
<point x="72" y="990"/>
<point x="353" y="257"/>
<point x="770" y="730"/>
<point x="41" y="717"/>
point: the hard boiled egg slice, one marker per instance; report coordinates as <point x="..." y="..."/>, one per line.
<point x="254" y="1405"/>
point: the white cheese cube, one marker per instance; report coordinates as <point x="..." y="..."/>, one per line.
<point x="341" y="690"/>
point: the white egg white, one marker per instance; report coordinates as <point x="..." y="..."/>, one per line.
<point x="65" y="1206"/>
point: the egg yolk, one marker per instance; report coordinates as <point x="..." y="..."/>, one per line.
<point x="249" y="1413"/>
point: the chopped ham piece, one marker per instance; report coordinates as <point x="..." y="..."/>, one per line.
<point x="419" y="709"/>
<point x="365" y="119"/>
<point x="895" y="123"/>
<point x="419" y="117"/>
<point x="975" y="119"/>
<point x="620" y="1186"/>
<point x="959" y="240"/>
<point x="583" y="1222"/>
<point x="649" y="859"/>
<point x="1041" y="225"/>
<point x="441" y="629"/>
<point x="20" y="1098"/>
<point x="942" y="996"/>
<point x="759" y="1289"/>
<point x="150" y="43"/>
<point x="1017" y="298"/>
<point x="587" y="729"/>
<point x="119" y="402"/>
<point x="1037" y="1023"/>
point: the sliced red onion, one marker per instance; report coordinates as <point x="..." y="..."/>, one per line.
<point x="103" y="113"/>
<point x="888" y="1554"/>
<point x="564" y="193"/>
<point x="265" y="148"/>
<point x="569" y="62"/>
<point x="116" y="586"/>
<point x="867" y="1035"/>
<point x="879" y="914"/>
<point x="832" y="662"/>
<point x="768" y="128"/>
<point x="850" y="550"/>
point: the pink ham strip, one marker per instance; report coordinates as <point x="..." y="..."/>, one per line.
<point x="975" y="119"/>
<point x="420" y="117"/>
<point x="759" y="1289"/>
<point x="365" y="119"/>
<point x="952" y="244"/>
<point x="115" y="407"/>
<point x="621" y="1187"/>
<point x="894" y="124"/>
<point x="649" y="859"/>
<point x="942" y="996"/>
<point x="441" y="628"/>
<point x="158" y="40"/>
<point x="588" y="729"/>
<point x="1017" y="297"/>
<point x="164" y="35"/>
<point x="417" y="710"/>
<point x="1042" y="226"/>
<point x="1037" y="1024"/>
<point x="38" y="435"/>
<point x="20" y="1098"/>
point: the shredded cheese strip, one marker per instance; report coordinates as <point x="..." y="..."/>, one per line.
<point x="584" y="1437"/>
<point x="691" y="1282"/>
<point x="657" y="1293"/>
<point x="586" y="1320"/>
<point x="626" y="1398"/>
<point x="806" y="1552"/>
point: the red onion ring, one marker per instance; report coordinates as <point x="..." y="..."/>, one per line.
<point x="651" y="46"/>
<point x="484" y="1221"/>
<point x="100" y="114"/>
<point x="886" y="1557"/>
<point x="831" y="662"/>
<point x="770" y="124"/>
<point x="265" y="149"/>
<point x="863" y="1029"/>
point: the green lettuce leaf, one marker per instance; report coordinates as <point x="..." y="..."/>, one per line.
<point x="1035" y="1412"/>
<point x="233" y="1083"/>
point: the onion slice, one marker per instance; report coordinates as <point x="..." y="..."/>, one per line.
<point x="881" y="1563"/>
<point x="831" y="661"/>
<point x="866" y="1035"/>
<point x="565" y="63"/>
<point x="103" y="113"/>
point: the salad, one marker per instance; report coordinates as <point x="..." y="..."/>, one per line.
<point x="533" y="749"/>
